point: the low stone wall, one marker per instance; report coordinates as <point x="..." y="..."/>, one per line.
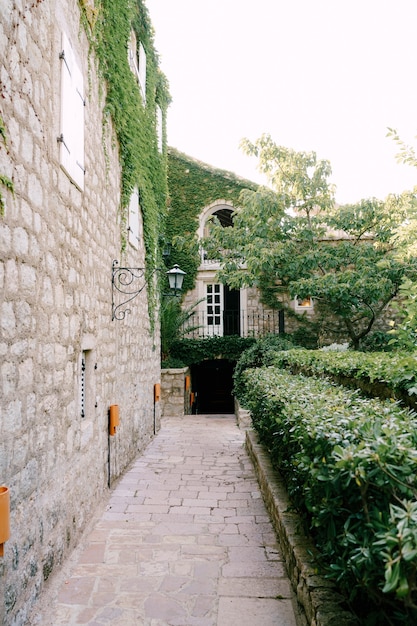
<point x="322" y="603"/>
<point x="243" y="417"/>
<point x="175" y="392"/>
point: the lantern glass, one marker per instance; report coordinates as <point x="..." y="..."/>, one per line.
<point x="175" y="278"/>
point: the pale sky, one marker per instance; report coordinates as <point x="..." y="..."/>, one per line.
<point x="323" y="75"/>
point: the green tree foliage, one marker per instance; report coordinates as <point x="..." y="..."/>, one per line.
<point x="296" y="239"/>
<point x="174" y="323"/>
<point x="404" y="329"/>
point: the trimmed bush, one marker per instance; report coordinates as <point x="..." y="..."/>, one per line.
<point x="190" y="351"/>
<point x="350" y="467"/>
<point x="260" y="354"/>
<point x="396" y="371"/>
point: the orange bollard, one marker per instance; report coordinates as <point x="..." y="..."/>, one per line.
<point x="114" y="419"/>
<point x="4" y="517"/>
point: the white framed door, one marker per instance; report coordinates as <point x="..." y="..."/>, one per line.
<point x="214" y="309"/>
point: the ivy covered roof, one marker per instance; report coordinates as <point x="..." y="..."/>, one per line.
<point x="192" y="186"/>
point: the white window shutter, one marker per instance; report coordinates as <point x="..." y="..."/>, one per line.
<point x="72" y="116"/>
<point x="142" y="71"/>
<point x="131" y="52"/>
<point x="134" y="220"/>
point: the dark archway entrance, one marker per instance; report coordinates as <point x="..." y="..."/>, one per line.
<point x="212" y="383"/>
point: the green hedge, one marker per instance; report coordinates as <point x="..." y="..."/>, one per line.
<point x="397" y="371"/>
<point x="350" y="467"/>
<point x="191" y="351"/>
<point x="263" y="352"/>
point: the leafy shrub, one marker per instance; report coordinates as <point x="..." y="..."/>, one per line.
<point x="398" y="370"/>
<point x="259" y="354"/>
<point x="190" y="351"/>
<point x="173" y="363"/>
<point x="173" y="319"/>
<point x="378" y="341"/>
<point x="335" y="347"/>
<point x="350" y="468"/>
<point x="404" y="331"/>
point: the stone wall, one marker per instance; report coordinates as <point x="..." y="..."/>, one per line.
<point x="175" y="393"/>
<point x="57" y="245"/>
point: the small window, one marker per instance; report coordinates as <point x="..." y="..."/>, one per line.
<point x="142" y="71"/>
<point x="87" y="386"/>
<point x="303" y="303"/>
<point x="134" y="226"/>
<point x="137" y="62"/>
<point x="71" y="136"/>
<point x="132" y="53"/>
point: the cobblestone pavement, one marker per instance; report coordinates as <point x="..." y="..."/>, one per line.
<point x="185" y="540"/>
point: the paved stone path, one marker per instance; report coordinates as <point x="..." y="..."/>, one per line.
<point x="185" y="540"/>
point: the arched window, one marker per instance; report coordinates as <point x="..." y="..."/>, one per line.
<point x="221" y="305"/>
<point x="223" y="211"/>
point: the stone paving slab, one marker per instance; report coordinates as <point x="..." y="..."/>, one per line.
<point x="185" y="540"/>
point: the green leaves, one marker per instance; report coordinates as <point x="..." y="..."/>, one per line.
<point x="349" y="259"/>
<point x="399" y="544"/>
<point x="397" y="370"/>
<point x="4" y="180"/>
<point x="193" y="186"/>
<point x="142" y="165"/>
<point x="298" y="177"/>
<point x="350" y="467"/>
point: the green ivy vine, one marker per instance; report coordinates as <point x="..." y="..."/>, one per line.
<point x="108" y="26"/>
<point x="4" y="180"/>
<point x="186" y="352"/>
<point x="193" y="185"/>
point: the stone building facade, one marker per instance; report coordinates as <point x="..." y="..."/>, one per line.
<point x="64" y="361"/>
<point x="199" y="193"/>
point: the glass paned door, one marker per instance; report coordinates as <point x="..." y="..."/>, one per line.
<point x="214" y="309"/>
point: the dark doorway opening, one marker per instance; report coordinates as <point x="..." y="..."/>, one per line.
<point x="212" y="384"/>
<point x="231" y="313"/>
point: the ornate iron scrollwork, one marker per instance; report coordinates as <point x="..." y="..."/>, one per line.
<point x="125" y="281"/>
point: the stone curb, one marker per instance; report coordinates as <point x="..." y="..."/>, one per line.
<point x="322" y="603"/>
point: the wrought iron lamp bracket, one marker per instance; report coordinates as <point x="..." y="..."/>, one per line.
<point x="124" y="280"/>
<point x="128" y="281"/>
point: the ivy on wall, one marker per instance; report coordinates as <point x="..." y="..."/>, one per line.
<point x="193" y="185"/>
<point x="108" y="25"/>
<point x="4" y="180"/>
<point x="186" y="352"/>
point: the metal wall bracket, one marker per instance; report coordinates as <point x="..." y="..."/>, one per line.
<point x="128" y="281"/>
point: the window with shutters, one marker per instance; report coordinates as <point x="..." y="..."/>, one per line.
<point x="132" y="53"/>
<point x="134" y="227"/>
<point x="137" y="62"/>
<point x="71" y="137"/>
<point x="142" y="71"/>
